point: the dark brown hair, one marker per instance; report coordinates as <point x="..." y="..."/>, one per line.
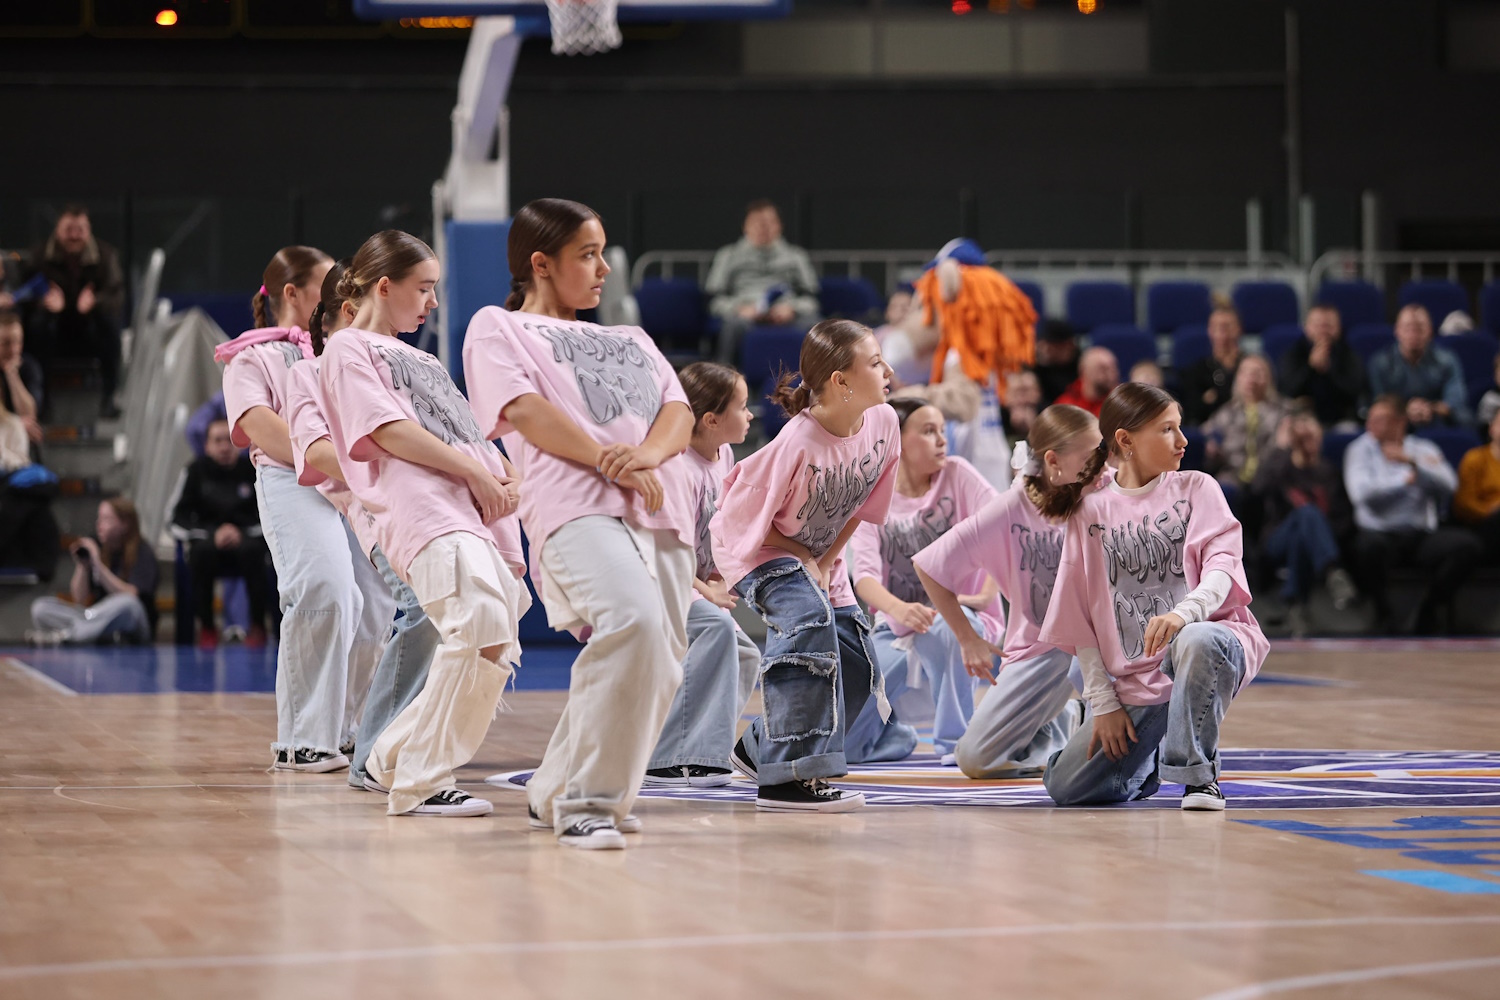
<point x="1129" y="407"/>
<point x="1391" y="399"/>
<point x="543" y="226"/>
<point x="760" y="205"/>
<point x="827" y="348"/>
<point x="291" y="266"/>
<point x="74" y="208"/>
<point x="709" y="386"/>
<point x="390" y="253"/>
<point x="1053" y="430"/>
<point x="130" y="547"/>
<point x="905" y="406"/>
<point x="9" y="316"/>
<point x="330" y="302"/>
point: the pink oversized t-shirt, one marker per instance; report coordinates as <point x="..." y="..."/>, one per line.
<point x="1127" y="559"/>
<point x="611" y="381"/>
<point x="256" y="376"/>
<point x="708" y="486"/>
<point x="369" y="380"/>
<point x="307" y="424"/>
<point x="807" y="483"/>
<point x="885" y="551"/>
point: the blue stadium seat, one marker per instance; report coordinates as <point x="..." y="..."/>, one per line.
<point x="1172" y="304"/>
<point x="1094" y="303"/>
<point x="1369" y="339"/>
<point x="672" y="310"/>
<point x="230" y="310"/>
<point x="766" y="352"/>
<point x="1127" y="342"/>
<point x="1335" y="443"/>
<point x="1489" y="308"/>
<point x="1455" y="441"/>
<point x="1036" y="295"/>
<point x="1190" y="344"/>
<point x="1265" y="303"/>
<point x="1439" y="295"/>
<point x="1278" y="338"/>
<point x="1356" y="301"/>
<point x="1197" y="441"/>
<point x="1476" y="352"/>
<point x="849" y="298"/>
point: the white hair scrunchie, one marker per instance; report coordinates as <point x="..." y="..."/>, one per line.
<point x="1023" y="462"/>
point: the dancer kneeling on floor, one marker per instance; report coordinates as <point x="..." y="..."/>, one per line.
<point x="437" y="497"/>
<point x="787" y="514"/>
<point x="1031" y="711"/>
<point x="1151" y="597"/>
<point x="918" y="653"/>
<point x="722" y="663"/>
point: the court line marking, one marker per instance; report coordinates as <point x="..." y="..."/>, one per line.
<point x="1295" y="983"/>
<point x="28" y="670"/>
<point x="503" y="948"/>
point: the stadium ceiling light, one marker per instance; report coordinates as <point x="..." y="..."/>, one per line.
<point x="166" y="18"/>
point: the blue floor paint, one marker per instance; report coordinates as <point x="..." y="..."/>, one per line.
<point x="1442" y="881"/>
<point x="229" y="669"/>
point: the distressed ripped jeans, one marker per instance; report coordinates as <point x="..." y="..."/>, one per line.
<point x="817" y="674"/>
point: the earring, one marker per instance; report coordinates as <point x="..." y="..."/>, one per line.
<point x="1129" y="455"/>
<point x="848" y="394"/>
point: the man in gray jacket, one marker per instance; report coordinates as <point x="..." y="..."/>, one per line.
<point x="761" y="279"/>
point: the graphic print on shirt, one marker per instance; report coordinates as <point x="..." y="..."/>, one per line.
<point x="614" y="375"/>
<point x="1038" y="554"/>
<point x="900" y="540"/>
<point x="290" y="353"/>
<point x="833" y="493"/>
<point x="1145" y="570"/>
<point x="704" y="547"/>
<point x="434" y="398"/>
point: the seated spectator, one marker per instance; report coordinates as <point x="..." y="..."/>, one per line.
<point x="1398" y="485"/>
<point x="1306" y="518"/>
<point x="1056" y="359"/>
<point x="218" y="510"/>
<point x="1489" y="403"/>
<point x="1428" y="377"/>
<point x="1023" y="401"/>
<point x="197" y="425"/>
<point x="1477" y="502"/>
<point x="1207" y="383"/>
<point x="79" y="316"/>
<point x="113" y="586"/>
<point x="1098" y="374"/>
<point x="28" y="531"/>
<point x="760" y="279"/>
<point x="20" y="380"/>
<point x="1323" y="369"/>
<point x="1148" y="373"/>
<point x="1243" y="431"/>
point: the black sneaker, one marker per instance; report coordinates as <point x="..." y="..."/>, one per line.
<point x="310" y="761"/>
<point x="687" y="776"/>
<point x="593" y="834"/>
<point x="452" y="802"/>
<point x="816" y="795"/>
<point x="740" y="758"/>
<point x="1205" y="798"/>
<point x="630" y="824"/>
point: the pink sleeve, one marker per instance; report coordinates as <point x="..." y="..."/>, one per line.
<point x="495" y="370"/>
<point x="358" y="400"/>
<point x="975" y="489"/>
<point x="1069" y="625"/>
<point x="878" y="505"/>
<point x="978" y="543"/>
<point x="245" y="388"/>
<point x="747" y="510"/>
<point x="304" y="422"/>
<point x="864" y="554"/>
<point x="1216" y="540"/>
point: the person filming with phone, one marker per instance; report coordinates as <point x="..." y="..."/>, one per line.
<point x="113" y="588"/>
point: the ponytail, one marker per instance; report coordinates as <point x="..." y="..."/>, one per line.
<point x="329" y="303"/>
<point x="1130" y="406"/>
<point x="1054" y="429"/>
<point x="517" y="296"/>
<point x="315" y="329"/>
<point x="827" y="348"/>
<point x="258" y="308"/>
<point x="1057" y="503"/>
<point x="791" y="400"/>
<point x="292" y="265"/>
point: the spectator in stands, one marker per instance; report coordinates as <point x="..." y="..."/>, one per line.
<point x="113" y="586"/>
<point x="28" y="531"/>
<point x="1323" y="369"/>
<point x="1428" y="377"/>
<point x="79" y="315"/>
<point x="20" y="379"/>
<point x="1398" y="485"/>
<point x="1148" y="372"/>
<point x="1489" y="403"/>
<point x="1207" y="384"/>
<point x="1244" y="430"/>
<point x="1098" y="374"/>
<point x="1056" y="358"/>
<point x="760" y="279"/>
<point x="198" y="424"/>
<point x="1023" y="401"/>
<point x="218" y="510"/>
<point x="1307" y="520"/>
<point x="1477" y="502"/>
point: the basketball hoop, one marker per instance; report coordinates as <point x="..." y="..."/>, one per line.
<point x="583" y="27"/>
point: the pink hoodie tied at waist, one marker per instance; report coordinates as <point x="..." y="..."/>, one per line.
<point x="265" y="335"/>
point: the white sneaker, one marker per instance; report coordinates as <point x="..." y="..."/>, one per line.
<point x="1203" y="798"/>
<point x="309" y="761"/>
<point x="630" y="824"/>
<point x="452" y="802"/>
<point x="1341" y="588"/>
<point x="41" y="637"/>
<point x="593" y="834"/>
<point x="949" y="760"/>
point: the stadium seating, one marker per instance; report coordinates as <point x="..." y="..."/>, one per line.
<point x="1277" y="339"/>
<point x="1356" y="301"/>
<point x="1190" y="344"/>
<point x="1369" y="339"/>
<point x="849" y="298"/>
<point x="1335" y="443"/>
<point x="1476" y="353"/>
<point x="1262" y="304"/>
<point x="1127" y="342"/>
<point x="1489" y="308"/>
<point x="766" y="352"/>
<point x="672" y="311"/>
<point x="1173" y="304"/>
<point x="1095" y="303"/>
<point x="1036" y="295"/>
<point x="1439" y="295"/>
<point x="1455" y="441"/>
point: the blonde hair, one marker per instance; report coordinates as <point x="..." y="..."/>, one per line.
<point x="1130" y="406"/>
<point x="1053" y="430"/>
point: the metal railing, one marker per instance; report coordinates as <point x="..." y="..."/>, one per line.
<point x="887" y="268"/>
<point x="1387" y="266"/>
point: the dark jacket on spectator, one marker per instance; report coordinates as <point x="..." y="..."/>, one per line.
<point x="1055" y="379"/>
<point x="1335" y="394"/>
<point x="213" y="495"/>
<point x="97" y="265"/>
<point x="1284" y="487"/>
<point x="1198" y="379"/>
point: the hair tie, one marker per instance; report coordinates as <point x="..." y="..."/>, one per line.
<point x="262" y="289"/>
<point x="1023" y="462"/>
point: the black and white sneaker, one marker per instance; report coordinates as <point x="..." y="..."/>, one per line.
<point x="816" y="795"/>
<point x="630" y="824"/>
<point x="310" y="761"/>
<point x="740" y="758"/>
<point x="593" y="834"/>
<point x="1205" y="798"/>
<point x="371" y="785"/>
<point x="687" y="776"/>
<point x="452" y="802"/>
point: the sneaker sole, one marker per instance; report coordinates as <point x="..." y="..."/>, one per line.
<point x="850" y="802"/>
<point x="337" y="763"/>
<point x="595" y="842"/>
<point x="630" y="824"/>
<point x="744" y="765"/>
<point x="651" y="781"/>
<point x="475" y="807"/>
<point x="1202" y="803"/>
<point x="371" y="785"/>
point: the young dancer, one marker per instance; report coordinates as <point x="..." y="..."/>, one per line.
<point x="1029" y="714"/>
<point x="787" y="513"/>
<point x="320" y="665"/>
<point x="722" y="664"/>
<point x="599" y="421"/>
<point x="435" y="495"/>
<point x="1151" y="597"/>
<point x="408" y="653"/>
<point x="914" y="649"/>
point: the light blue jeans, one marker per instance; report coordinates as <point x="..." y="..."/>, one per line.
<point x="1176" y="742"/>
<point x="1024" y="719"/>
<point x="402" y="669"/>
<point x="120" y="615"/>
<point x="718" y="677"/>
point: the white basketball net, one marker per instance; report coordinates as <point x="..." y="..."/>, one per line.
<point x="583" y="27"/>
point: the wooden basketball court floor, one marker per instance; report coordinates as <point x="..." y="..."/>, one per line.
<point x="146" y="853"/>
